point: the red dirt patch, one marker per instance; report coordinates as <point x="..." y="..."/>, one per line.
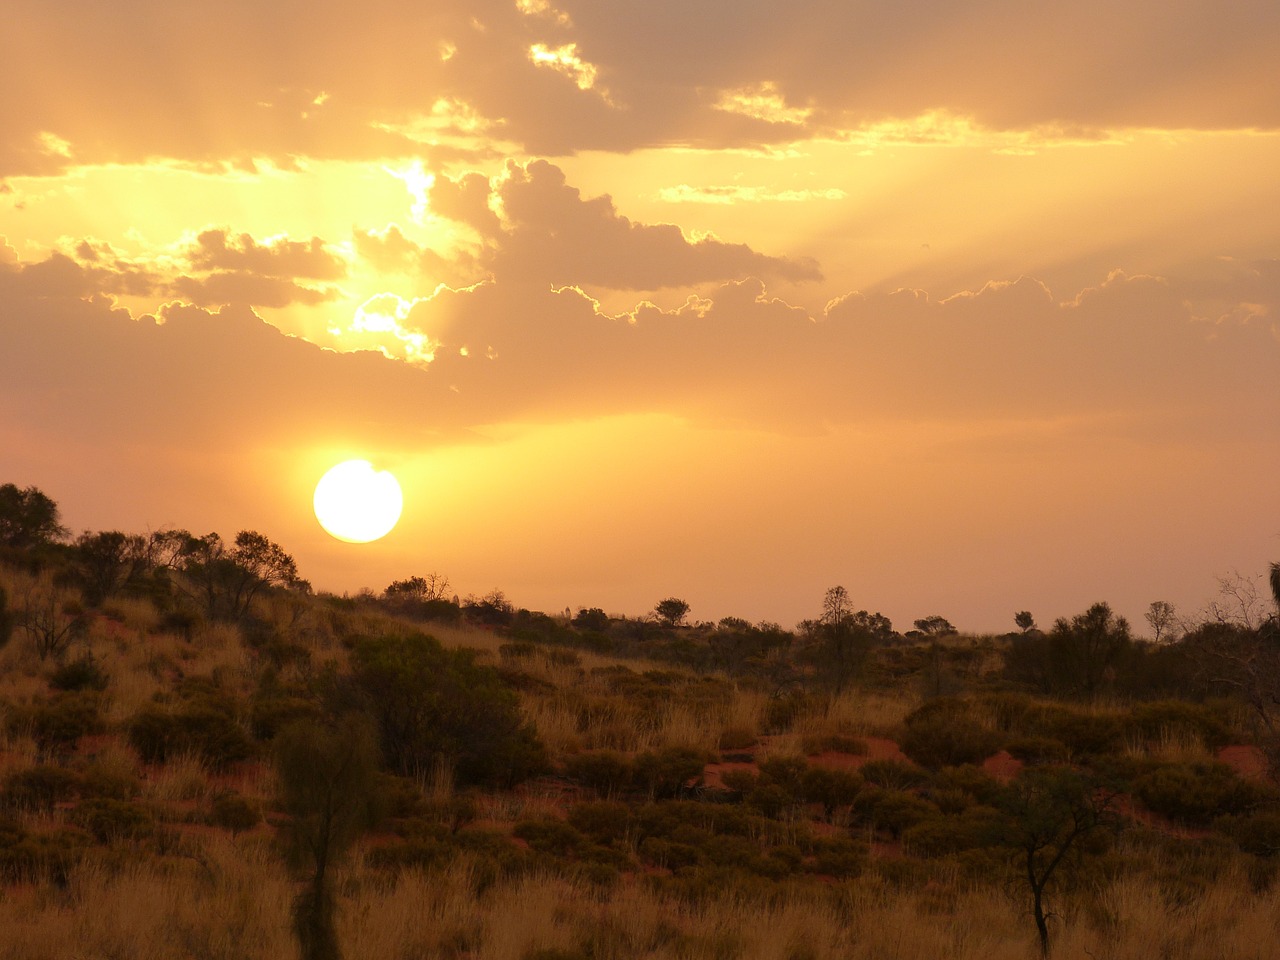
<point x="1247" y="761"/>
<point x="1003" y="766"/>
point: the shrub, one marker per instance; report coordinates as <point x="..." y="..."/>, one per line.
<point x="204" y="727"/>
<point x="892" y="811"/>
<point x="839" y="857"/>
<point x="1196" y="793"/>
<point x="235" y="812"/>
<point x="269" y="715"/>
<point x="83" y="673"/>
<point x="58" y="723"/>
<point x="667" y="772"/>
<point x="550" y="835"/>
<point x="433" y="704"/>
<point x="606" y="772"/>
<point x="782" y="711"/>
<point x="31" y="857"/>
<point x="39" y="788"/>
<point x="835" y="743"/>
<point x="1256" y="833"/>
<point x="892" y="774"/>
<point x="1179" y="718"/>
<point x="111" y="821"/>
<point x="1085" y="735"/>
<point x="603" y="821"/>
<point x="1035" y="751"/>
<point x="944" y="733"/>
<point x="831" y="788"/>
<point x="736" y="738"/>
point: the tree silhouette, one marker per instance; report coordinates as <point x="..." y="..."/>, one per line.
<point x="329" y="789"/>
<point x="1024" y="620"/>
<point x="1050" y="815"/>
<point x="672" y="611"/>
<point x="28" y="518"/>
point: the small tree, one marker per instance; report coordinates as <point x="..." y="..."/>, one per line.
<point x="844" y="638"/>
<point x="1024" y="620"/>
<point x="1051" y="815"/>
<point x="935" y="626"/>
<point x="1162" y="617"/>
<point x="672" y="611"/>
<point x="8" y="620"/>
<point x="1085" y="650"/>
<point x="329" y="788"/>
<point x="28" y="518"/>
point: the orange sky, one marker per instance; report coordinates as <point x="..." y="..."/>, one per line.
<point x="967" y="308"/>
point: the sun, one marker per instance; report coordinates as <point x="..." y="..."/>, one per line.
<point x="356" y="503"/>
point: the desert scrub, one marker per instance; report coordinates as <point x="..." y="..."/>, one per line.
<point x="947" y="732"/>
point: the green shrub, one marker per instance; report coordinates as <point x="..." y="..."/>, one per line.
<point x="1035" y="751"/>
<point x="1196" y="793"/>
<point x="1085" y="735"/>
<point x="945" y="733"/>
<point x="736" y="738"/>
<point x="831" y="788"/>
<point x="97" y="780"/>
<point x="56" y="724"/>
<point x="782" y="711"/>
<point x="892" y="811"/>
<point x="113" y="821"/>
<point x="892" y="774"/>
<point x="39" y="788"/>
<point x="433" y="704"/>
<point x="83" y="673"/>
<point x="602" y="821"/>
<point x="550" y="835"/>
<point x="1257" y="833"/>
<point x="32" y="857"/>
<point x="606" y="772"/>
<point x="667" y="772"/>
<point x="233" y="811"/>
<point x="974" y="782"/>
<point x="1179" y="718"/>
<point x="269" y="715"/>
<point x="839" y="857"/>
<point x="204" y="727"/>
<point x="834" y="743"/>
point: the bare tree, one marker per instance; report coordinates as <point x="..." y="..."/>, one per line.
<point x="1162" y="618"/>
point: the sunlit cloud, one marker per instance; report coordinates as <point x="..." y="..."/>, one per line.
<point x="543" y="8"/>
<point x="564" y="59"/>
<point x="684" y="193"/>
<point x="762" y="102"/>
<point x="378" y="324"/>
<point x="418" y="182"/>
<point x="53" y="145"/>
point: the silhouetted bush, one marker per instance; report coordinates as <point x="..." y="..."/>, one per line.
<point x="269" y="715"/>
<point x="603" y="821"/>
<point x="1177" y="718"/>
<point x="37" y="789"/>
<point x="56" y="724"/>
<point x="235" y="812"/>
<point x="892" y="774"/>
<point x="1034" y="751"/>
<point x="1257" y="833"/>
<point x="82" y="673"/>
<point x="1196" y="793"/>
<point x="112" y="821"/>
<point x="606" y="772"/>
<point x="32" y="857"/>
<point x="892" y="811"/>
<point x="435" y="705"/>
<point x="203" y="727"/>
<point x="736" y="738"/>
<point x="831" y="788"/>
<point x="667" y="772"/>
<point x="839" y="857"/>
<point x="1085" y="735"/>
<point x="945" y="733"/>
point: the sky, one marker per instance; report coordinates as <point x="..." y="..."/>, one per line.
<point x="969" y="308"/>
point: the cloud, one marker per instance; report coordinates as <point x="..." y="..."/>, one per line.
<point x="215" y="249"/>
<point x="539" y="229"/>
<point x="251" y="81"/>
<point x="1129" y="351"/>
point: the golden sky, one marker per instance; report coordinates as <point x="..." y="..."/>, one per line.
<point x="971" y="308"/>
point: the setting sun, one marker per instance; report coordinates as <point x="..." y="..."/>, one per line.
<point x="356" y="503"/>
